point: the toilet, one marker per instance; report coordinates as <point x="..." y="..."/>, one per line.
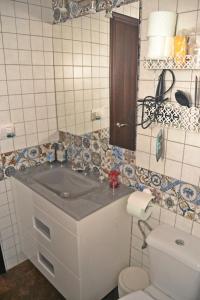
<point x="174" y="266"/>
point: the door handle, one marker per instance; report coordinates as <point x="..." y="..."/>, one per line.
<point x="121" y="124"/>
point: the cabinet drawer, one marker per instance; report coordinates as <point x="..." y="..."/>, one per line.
<point x="54" y="212"/>
<point x="62" y="278"/>
<point x="62" y="243"/>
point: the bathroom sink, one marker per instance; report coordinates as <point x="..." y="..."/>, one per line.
<point x="65" y="183"/>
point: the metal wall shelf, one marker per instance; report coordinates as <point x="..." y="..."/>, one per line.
<point x="187" y="62"/>
<point x="176" y="116"/>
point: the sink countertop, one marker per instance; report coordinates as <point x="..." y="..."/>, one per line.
<point x="79" y="207"/>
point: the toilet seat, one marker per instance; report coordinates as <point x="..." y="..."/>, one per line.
<point x="140" y="295"/>
<point x="150" y="293"/>
<point x="156" y="294"/>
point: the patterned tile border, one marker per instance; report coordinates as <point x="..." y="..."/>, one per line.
<point x="97" y="154"/>
<point x="93" y="151"/>
<point x="22" y="159"/>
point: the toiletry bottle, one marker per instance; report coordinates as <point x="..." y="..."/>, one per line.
<point x="51" y="155"/>
<point x="61" y="153"/>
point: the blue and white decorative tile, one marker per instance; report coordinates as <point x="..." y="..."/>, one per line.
<point x="95" y="146"/>
<point x="33" y="156"/>
<point x="158" y="196"/>
<point x="129" y="157"/>
<point x="43" y="151"/>
<point x="9" y="163"/>
<point x="96" y="170"/>
<point x="170" y="186"/>
<point x="105" y="145"/>
<point x="186" y="209"/>
<point x="66" y="138"/>
<point x="86" y="142"/>
<point x="105" y="133"/>
<point x="142" y="176"/>
<point x="107" y="162"/>
<point x="190" y="193"/>
<point x="169" y="202"/>
<point x="155" y="180"/>
<point x="96" y="135"/>
<point x="21" y="159"/>
<point x="86" y="155"/>
<point x="77" y="141"/>
<point x="118" y="157"/>
<point x="96" y="159"/>
<point x="128" y="171"/>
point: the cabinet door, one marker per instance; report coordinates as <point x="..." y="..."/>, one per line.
<point x="123" y="80"/>
<point x="24" y="209"/>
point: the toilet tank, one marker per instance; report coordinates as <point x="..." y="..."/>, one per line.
<point x="175" y="262"/>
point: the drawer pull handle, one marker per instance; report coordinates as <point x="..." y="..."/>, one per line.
<point x="42" y="228"/>
<point x="46" y="264"/>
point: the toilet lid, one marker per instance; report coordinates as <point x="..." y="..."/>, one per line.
<point x="140" y="295"/>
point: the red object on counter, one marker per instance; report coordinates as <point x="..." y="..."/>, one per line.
<point x="113" y="178"/>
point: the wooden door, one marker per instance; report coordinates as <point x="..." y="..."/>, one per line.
<point x="123" y="80"/>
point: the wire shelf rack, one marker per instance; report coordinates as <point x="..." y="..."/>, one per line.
<point x="187" y="62"/>
<point x="174" y="115"/>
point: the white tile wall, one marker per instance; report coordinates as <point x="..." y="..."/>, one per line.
<point x="27" y="90"/>
<point x="81" y="57"/>
<point x="33" y="53"/>
<point x="27" y="95"/>
<point x="182" y="151"/>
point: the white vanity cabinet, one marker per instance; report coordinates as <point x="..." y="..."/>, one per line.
<point x="82" y="259"/>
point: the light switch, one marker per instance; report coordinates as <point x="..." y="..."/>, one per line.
<point x="7" y="131"/>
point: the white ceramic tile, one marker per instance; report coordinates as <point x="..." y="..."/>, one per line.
<point x="24" y="42"/>
<point x="157" y="166"/>
<point x="142" y="159"/>
<point x="7" y="8"/>
<point x="17" y="115"/>
<point x="169" y="5"/>
<point x="22" y="26"/>
<point x="4" y="103"/>
<point x="196" y="229"/>
<point x="21" y="10"/>
<point x="187" y="22"/>
<point x="167" y="217"/>
<point x="173" y="168"/>
<point x="8" y="24"/>
<point x="190" y="174"/>
<point x="12" y="72"/>
<point x="191" y="156"/>
<point x="15" y="101"/>
<point x="6" y="146"/>
<point x="184" y="5"/>
<point x="174" y="151"/>
<point x="176" y="135"/>
<point x="149" y="6"/>
<point x="183" y="224"/>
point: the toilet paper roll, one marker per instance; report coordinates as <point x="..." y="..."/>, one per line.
<point x="138" y="205"/>
<point x="161" y="23"/>
<point x="160" y="47"/>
